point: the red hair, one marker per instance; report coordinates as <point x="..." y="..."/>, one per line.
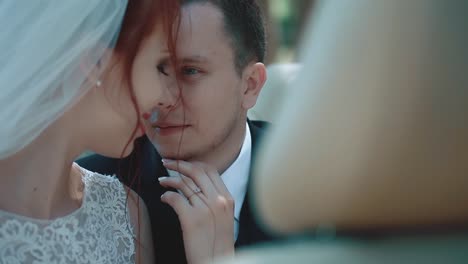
<point x="141" y="18"/>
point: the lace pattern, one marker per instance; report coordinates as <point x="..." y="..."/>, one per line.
<point x="98" y="232"/>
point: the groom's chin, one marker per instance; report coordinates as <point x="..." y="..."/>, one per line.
<point x="174" y="154"/>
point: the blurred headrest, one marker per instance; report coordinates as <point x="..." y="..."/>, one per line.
<point x="375" y="132"/>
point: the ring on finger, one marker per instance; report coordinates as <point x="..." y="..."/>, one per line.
<point x="195" y="191"/>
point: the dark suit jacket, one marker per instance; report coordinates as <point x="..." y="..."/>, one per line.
<point x="146" y="162"/>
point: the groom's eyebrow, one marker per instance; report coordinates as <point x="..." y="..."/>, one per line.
<point x="184" y="59"/>
<point x="194" y="59"/>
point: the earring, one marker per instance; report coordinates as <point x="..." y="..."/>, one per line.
<point x="98" y="83"/>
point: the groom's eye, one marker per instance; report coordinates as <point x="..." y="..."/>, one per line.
<point x="190" y="71"/>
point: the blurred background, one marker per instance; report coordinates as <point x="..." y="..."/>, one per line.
<point x="285" y="21"/>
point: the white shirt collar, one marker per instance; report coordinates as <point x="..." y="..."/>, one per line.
<point x="236" y="176"/>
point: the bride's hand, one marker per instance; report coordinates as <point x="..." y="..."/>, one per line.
<point x="205" y="210"/>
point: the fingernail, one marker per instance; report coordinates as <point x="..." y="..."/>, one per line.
<point x="162" y="178"/>
<point x="154" y="117"/>
<point x="167" y="161"/>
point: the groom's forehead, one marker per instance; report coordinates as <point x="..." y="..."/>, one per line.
<point x="202" y="18"/>
<point x="202" y="37"/>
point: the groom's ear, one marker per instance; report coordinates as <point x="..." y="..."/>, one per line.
<point x="254" y="77"/>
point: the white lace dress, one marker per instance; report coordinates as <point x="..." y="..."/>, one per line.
<point x="98" y="232"/>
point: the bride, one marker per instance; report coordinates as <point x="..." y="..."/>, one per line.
<point x="67" y="80"/>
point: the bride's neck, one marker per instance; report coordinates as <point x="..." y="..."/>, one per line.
<point x="37" y="181"/>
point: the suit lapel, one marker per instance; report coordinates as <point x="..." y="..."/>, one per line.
<point x="167" y="235"/>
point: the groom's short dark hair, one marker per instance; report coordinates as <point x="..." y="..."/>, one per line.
<point x="244" y="25"/>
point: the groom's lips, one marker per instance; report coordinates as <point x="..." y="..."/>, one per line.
<point x="167" y="129"/>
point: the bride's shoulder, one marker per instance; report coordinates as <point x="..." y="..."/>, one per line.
<point x="95" y="177"/>
<point x="96" y="183"/>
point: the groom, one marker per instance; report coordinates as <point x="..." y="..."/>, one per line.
<point x="221" y="46"/>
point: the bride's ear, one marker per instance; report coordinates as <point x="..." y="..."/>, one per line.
<point x="94" y="66"/>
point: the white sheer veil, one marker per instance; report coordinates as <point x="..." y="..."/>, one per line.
<point x="42" y="48"/>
